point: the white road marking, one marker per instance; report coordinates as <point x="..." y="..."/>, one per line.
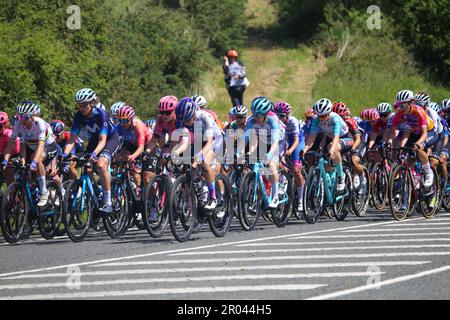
<point x="392" y="229"/>
<point x="317" y="249"/>
<point x="225" y="268"/>
<point x="192" y="279"/>
<point x="380" y="284"/>
<point x="194" y="248"/>
<point x="389" y="235"/>
<point x="153" y="291"/>
<point x="264" y="258"/>
<point x="407" y="224"/>
<point x="300" y="243"/>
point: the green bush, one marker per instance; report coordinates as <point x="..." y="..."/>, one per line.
<point x="372" y="68"/>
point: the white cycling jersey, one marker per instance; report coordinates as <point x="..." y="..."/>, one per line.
<point x="39" y="131"/>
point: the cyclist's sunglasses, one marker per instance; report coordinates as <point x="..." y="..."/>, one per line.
<point x="384" y="115"/>
<point x="239" y="117"/>
<point x="124" y="120"/>
<point x="259" y="116"/>
<point x="23" y="118"/>
<point x="165" y="113"/>
<point x="281" y="115"/>
<point x="324" y="116"/>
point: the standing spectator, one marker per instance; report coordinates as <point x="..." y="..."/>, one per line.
<point x="235" y="77"/>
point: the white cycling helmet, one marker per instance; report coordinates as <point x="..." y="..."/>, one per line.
<point x="422" y="99"/>
<point x="115" y="108"/>
<point x="404" y="96"/>
<point x="240" y="110"/>
<point x="323" y="106"/>
<point x="200" y="101"/>
<point x="434" y="106"/>
<point x="85" y="95"/>
<point x="28" y="108"/>
<point x="446" y="104"/>
<point x="384" y="108"/>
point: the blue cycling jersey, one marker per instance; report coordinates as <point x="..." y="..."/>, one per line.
<point x="98" y="123"/>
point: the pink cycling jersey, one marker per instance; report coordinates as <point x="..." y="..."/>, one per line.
<point x="4" y="139"/>
<point x="162" y="128"/>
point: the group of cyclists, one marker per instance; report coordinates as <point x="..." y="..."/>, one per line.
<point x="187" y="130"/>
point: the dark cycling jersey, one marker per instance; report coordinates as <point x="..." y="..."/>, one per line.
<point x="96" y="124"/>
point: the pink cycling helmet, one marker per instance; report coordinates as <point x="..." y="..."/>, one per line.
<point x="126" y="112"/>
<point x="168" y="103"/>
<point x="4" y="118"/>
<point x="370" y="114"/>
<point x="282" y="107"/>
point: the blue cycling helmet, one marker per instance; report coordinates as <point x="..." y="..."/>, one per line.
<point x="150" y="124"/>
<point x="186" y="109"/>
<point x="57" y="126"/>
<point x="261" y="105"/>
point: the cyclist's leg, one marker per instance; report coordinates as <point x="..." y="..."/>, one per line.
<point x="111" y="148"/>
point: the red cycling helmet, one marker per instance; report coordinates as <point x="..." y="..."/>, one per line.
<point x="341" y="109"/>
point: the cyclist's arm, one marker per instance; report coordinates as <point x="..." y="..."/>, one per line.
<point x="101" y="143"/>
<point x="423" y="137"/>
<point x="39" y="151"/>
<point x="152" y="144"/>
<point x="357" y="142"/>
<point x="295" y="144"/>
<point x="335" y="143"/>
<point x="208" y="145"/>
<point x="309" y="141"/>
<point x="372" y="138"/>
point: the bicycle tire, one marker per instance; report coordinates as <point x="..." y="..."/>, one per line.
<point x="340" y="209"/>
<point x="220" y="224"/>
<point x="116" y="223"/>
<point x="246" y="211"/>
<point x="9" y="207"/>
<point x="156" y="229"/>
<point x="282" y="214"/>
<point x="405" y="185"/>
<point x="360" y="203"/>
<point x="427" y="196"/>
<point x="187" y="216"/>
<point x="49" y="217"/>
<point x="313" y="196"/>
<point x="71" y="214"/>
<point x="379" y="183"/>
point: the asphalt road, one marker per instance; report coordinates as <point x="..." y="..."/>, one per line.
<point x="372" y="257"/>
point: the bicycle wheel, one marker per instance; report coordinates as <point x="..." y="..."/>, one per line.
<point x="116" y="223"/>
<point x="49" y="217"/>
<point x="343" y="201"/>
<point x="14" y="212"/>
<point x="156" y="198"/>
<point x="360" y="199"/>
<point x="379" y="182"/>
<point x="250" y="202"/>
<point x="446" y="193"/>
<point x="220" y="219"/>
<point x="442" y="187"/>
<point x="77" y="211"/>
<point x="235" y="180"/>
<point x="429" y="197"/>
<point x="286" y="197"/>
<point x="61" y="229"/>
<point x="400" y="192"/>
<point x="182" y="209"/>
<point x="313" y="196"/>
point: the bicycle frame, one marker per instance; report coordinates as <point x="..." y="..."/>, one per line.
<point x="259" y="183"/>
<point x="328" y="187"/>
